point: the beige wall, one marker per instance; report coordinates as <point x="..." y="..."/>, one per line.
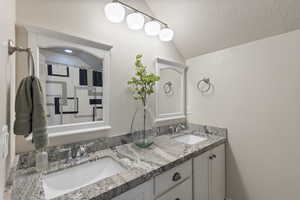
<point x="7" y="77"/>
<point x="257" y="97"/>
<point x="86" y="19"/>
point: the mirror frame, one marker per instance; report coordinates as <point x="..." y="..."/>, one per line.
<point x="43" y="38"/>
<point x="181" y="68"/>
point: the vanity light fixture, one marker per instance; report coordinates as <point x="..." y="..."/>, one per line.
<point x="135" y="21"/>
<point x="152" y="28"/>
<point x="68" y="51"/>
<point x="166" y="34"/>
<point x="115" y="12"/>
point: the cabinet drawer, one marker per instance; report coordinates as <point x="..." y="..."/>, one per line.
<point x="174" y="176"/>
<point x="141" y="192"/>
<point x="181" y="192"/>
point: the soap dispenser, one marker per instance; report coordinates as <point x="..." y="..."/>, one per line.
<point x="41" y="160"/>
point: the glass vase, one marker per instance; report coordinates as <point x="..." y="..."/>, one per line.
<point x="142" y="126"/>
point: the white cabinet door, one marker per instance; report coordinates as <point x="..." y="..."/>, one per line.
<point x="201" y="176"/>
<point x="141" y="192"/>
<point x="183" y="191"/>
<point x="218" y="173"/>
<point x="209" y="175"/>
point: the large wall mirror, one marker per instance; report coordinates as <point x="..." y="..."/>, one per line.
<point x="73" y="83"/>
<point x="74" y="73"/>
<point x="170" y="90"/>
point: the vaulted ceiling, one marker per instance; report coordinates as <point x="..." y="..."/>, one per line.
<point x="203" y="26"/>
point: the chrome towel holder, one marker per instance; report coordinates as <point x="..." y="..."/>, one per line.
<point x="207" y="82"/>
<point x="168" y="88"/>
<point x="12" y="49"/>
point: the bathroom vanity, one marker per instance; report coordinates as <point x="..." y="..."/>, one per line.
<point x="171" y="169"/>
<point x="202" y="177"/>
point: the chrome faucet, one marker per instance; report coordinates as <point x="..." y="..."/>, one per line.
<point x="172" y="128"/>
<point x="82" y="151"/>
<point x="78" y="151"/>
<point x="179" y="127"/>
<point x="74" y="152"/>
<point x="206" y="130"/>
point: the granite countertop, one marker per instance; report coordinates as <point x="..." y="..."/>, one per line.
<point x="140" y="164"/>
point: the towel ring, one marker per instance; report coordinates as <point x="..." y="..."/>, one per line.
<point x="168" y="88"/>
<point x="207" y="82"/>
<point x="12" y="49"/>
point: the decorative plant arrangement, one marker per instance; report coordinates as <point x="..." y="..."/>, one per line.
<point x="142" y="85"/>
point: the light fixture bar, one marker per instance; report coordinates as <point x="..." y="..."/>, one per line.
<point x="136" y="10"/>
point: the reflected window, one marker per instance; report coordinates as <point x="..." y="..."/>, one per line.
<point x="73" y="84"/>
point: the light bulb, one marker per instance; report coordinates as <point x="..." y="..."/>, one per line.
<point x="152" y="28"/>
<point x="114" y="12"/>
<point x="135" y="21"/>
<point x="68" y="51"/>
<point x="166" y="35"/>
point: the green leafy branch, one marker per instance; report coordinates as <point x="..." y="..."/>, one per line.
<point x="142" y="83"/>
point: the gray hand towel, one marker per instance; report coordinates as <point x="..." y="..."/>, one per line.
<point x="30" y="112"/>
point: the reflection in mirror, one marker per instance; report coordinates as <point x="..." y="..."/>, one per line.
<point x="73" y="83"/>
<point x="170" y="94"/>
<point x="171" y="90"/>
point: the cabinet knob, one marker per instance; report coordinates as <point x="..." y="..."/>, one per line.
<point x="210" y="157"/>
<point x="214" y="156"/>
<point x="177" y="199"/>
<point x="176" y="177"/>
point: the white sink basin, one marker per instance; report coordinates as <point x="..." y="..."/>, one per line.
<point x="70" y="179"/>
<point x="190" y="139"/>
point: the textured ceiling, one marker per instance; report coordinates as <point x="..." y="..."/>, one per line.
<point x="203" y="26"/>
